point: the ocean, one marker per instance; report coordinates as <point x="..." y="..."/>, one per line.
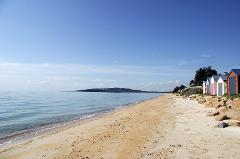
<point x="24" y="113"/>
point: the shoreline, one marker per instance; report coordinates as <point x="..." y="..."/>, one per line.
<point x="165" y="127"/>
<point x="25" y="135"/>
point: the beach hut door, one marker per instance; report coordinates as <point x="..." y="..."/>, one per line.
<point x="232" y="86"/>
<point x="220" y="93"/>
<point x="208" y="89"/>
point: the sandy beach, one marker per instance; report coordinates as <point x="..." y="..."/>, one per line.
<point x="164" y="127"/>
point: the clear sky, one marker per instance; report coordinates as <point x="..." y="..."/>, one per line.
<point x="142" y="44"/>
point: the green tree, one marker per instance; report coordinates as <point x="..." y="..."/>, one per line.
<point x="178" y="88"/>
<point x="202" y="74"/>
<point x="182" y="87"/>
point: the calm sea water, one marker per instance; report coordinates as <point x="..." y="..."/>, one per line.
<point x="21" y="111"/>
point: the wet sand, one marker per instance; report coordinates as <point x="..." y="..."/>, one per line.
<point x="164" y="127"/>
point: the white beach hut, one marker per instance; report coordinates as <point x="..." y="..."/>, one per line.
<point x="204" y="87"/>
<point x="222" y="85"/>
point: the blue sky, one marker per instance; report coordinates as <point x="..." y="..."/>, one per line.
<point x="142" y="44"/>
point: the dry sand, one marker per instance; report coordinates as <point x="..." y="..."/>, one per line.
<point x="165" y="127"/>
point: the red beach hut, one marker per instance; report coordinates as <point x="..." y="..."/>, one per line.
<point x="233" y="81"/>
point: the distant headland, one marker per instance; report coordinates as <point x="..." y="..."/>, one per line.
<point x="117" y="90"/>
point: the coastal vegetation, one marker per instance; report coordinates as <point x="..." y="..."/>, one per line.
<point x="179" y="88"/>
<point x="191" y="90"/>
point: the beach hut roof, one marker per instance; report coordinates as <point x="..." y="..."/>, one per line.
<point x="223" y="77"/>
<point x="208" y="80"/>
<point x="236" y="71"/>
<point x="216" y="77"/>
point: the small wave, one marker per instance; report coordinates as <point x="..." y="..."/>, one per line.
<point x="88" y="116"/>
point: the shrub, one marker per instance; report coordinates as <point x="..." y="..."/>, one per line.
<point x="191" y="90"/>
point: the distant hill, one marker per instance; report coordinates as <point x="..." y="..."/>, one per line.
<point x="116" y="90"/>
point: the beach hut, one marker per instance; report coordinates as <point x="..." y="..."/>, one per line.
<point x="233" y="81"/>
<point x="213" y="83"/>
<point x="222" y="85"/>
<point x="204" y="87"/>
<point x="208" y="85"/>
